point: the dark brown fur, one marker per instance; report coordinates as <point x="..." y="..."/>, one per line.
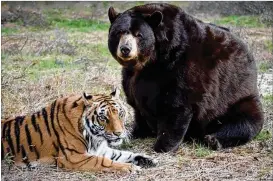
<point x="200" y="81"/>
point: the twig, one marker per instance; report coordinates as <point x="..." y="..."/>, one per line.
<point x="24" y="44"/>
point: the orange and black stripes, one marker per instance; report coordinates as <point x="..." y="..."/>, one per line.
<point x="45" y="116"/>
<point x="9" y="138"/>
<point x="65" y="113"/>
<point x="75" y="104"/>
<point x="29" y="139"/>
<point x="36" y="126"/>
<point x="2" y="150"/>
<point x="17" y="134"/>
<point x="57" y="117"/>
<point x="33" y="121"/>
<point x="20" y="119"/>
<point x="25" y="156"/>
<point x="55" y="132"/>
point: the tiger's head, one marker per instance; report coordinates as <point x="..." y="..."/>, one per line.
<point x="104" y="117"/>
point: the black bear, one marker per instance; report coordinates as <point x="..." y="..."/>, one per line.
<point x="185" y="78"/>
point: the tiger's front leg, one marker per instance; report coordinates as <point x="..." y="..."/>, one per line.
<point x="72" y="159"/>
<point x="143" y="161"/>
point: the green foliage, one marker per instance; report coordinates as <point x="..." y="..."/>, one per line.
<point x="269" y="45"/>
<point x="8" y="159"/>
<point x="48" y="65"/>
<point x="82" y="25"/>
<point x="53" y="14"/>
<point x="126" y="145"/>
<point x="3" y="56"/>
<point x="113" y="64"/>
<point x="268" y="98"/>
<point x="90" y="176"/>
<point x="264" y="134"/>
<point x="265" y="66"/>
<point x="101" y="50"/>
<point x="58" y="18"/>
<point x="8" y="30"/>
<point x="201" y="150"/>
<point x="243" y="21"/>
<point x="139" y="3"/>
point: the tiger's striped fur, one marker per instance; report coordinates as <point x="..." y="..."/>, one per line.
<point x="74" y="133"/>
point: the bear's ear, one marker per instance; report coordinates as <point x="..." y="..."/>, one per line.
<point x="155" y="19"/>
<point x="112" y="14"/>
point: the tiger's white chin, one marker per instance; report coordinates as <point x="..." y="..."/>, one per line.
<point x="116" y="143"/>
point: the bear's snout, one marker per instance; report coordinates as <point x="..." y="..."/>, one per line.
<point x="125" y="50"/>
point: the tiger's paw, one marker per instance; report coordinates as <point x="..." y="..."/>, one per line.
<point x="144" y="161"/>
<point x="135" y="169"/>
<point x="128" y="168"/>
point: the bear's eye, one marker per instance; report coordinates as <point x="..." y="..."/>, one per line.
<point x="123" y="32"/>
<point x="119" y="33"/>
<point x="126" y="32"/>
<point x="139" y="35"/>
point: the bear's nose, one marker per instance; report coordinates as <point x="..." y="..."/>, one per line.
<point x="125" y="50"/>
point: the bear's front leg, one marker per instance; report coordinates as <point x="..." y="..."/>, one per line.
<point x="172" y="130"/>
<point x="141" y="129"/>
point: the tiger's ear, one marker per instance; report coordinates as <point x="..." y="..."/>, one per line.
<point x="86" y="98"/>
<point x="115" y="93"/>
<point x="112" y="14"/>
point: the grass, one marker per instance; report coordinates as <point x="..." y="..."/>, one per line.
<point x="81" y="25"/>
<point x="126" y="145"/>
<point x="57" y="20"/>
<point x="268" y="98"/>
<point x="8" y="159"/>
<point x="269" y="45"/>
<point x="3" y="56"/>
<point x="242" y="21"/>
<point x="263" y="136"/>
<point x="50" y="64"/>
<point x="265" y="66"/>
<point x="90" y="176"/>
<point x="8" y="30"/>
<point x="53" y="73"/>
<point x="101" y="49"/>
<point x="201" y="151"/>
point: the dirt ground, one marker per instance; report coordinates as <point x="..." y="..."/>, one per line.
<point x="250" y="162"/>
<point x="38" y="66"/>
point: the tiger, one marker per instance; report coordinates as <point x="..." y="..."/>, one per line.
<point x="75" y="132"/>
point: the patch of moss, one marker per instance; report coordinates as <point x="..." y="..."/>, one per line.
<point x="263" y="136"/>
<point x="269" y="45"/>
<point x="268" y="98"/>
<point x="8" y="30"/>
<point x="82" y="25"/>
<point x="202" y="151"/>
<point x="243" y="21"/>
<point x="101" y="50"/>
<point x="265" y="66"/>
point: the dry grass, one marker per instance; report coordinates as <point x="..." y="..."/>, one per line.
<point x="249" y="162"/>
<point x="38" y="66"/>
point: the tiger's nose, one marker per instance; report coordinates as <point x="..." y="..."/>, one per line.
<point x="117" y="133"/>
<point x="125" y="50"/>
